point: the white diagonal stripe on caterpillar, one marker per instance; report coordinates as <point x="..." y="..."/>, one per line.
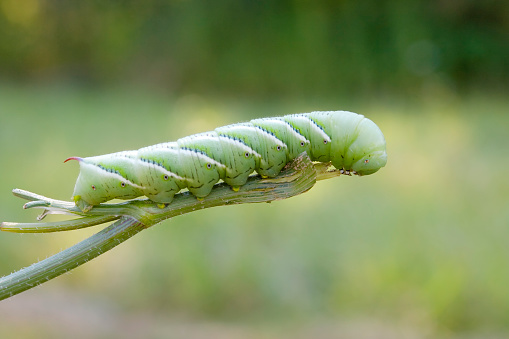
<point x="266" y="133"/>
<point x="105" y="172"/>
<point x="289" y="127"/>
<point x="153" y="164"/>
<point x="317" y="128"/>
<point x="203" y="156"/>
<point x="237" y="143"/>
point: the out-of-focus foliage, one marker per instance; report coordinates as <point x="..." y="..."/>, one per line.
<point x="258" y="47"/>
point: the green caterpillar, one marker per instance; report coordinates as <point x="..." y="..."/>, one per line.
<point x="351" y="142"/>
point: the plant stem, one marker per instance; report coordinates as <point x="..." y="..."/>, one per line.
<point x="70" y="258"/>
<point x="136" y="215"/>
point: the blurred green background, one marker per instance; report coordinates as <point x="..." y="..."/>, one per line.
<point x="419" y="250"/>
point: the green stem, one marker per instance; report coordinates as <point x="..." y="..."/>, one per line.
<point x="57" y="226"/>
<point x="70" y="258"/>
<point x="136" y="215"/>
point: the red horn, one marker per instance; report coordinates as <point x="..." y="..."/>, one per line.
<point x="73" y="158"/>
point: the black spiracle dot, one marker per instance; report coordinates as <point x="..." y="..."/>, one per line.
<point x="93" y="187"/>
<point x="166" y="177"/>
<point x="366" y="161"/>
<point x="122" y="184"/>
<point x="246" y="154"/>
<point x="209" y="165"/>
<point x="278" y="148"/>
<point x="302" y="143"/>
<point x="325" y="141"/>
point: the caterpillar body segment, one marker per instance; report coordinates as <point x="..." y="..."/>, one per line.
<point x="231" y="153"/>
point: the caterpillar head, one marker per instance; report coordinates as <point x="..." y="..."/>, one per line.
<point x="358" y="144"/>
<point x="369" y="149"/>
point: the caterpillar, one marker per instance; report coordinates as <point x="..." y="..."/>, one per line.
<point x="351" y="142"/>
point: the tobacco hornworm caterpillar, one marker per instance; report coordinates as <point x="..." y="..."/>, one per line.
<point x="352" y="143"/>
